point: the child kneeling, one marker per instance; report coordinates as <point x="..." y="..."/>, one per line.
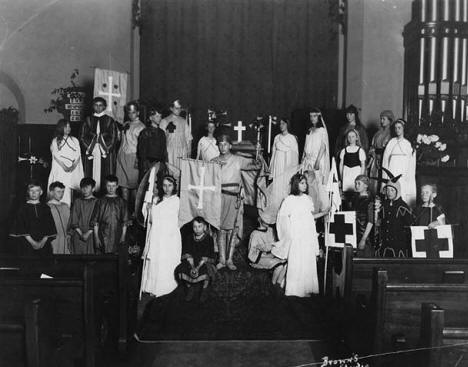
<point x="197" y="266"/>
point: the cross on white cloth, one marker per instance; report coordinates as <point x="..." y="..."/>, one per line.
<point x="108" y="94"/>
<point x="239" y="128"/>
<point x="201" y="187"/>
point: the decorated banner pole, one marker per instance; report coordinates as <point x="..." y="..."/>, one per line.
<point x="270" y="121"/>
<point x="327" y="230"/>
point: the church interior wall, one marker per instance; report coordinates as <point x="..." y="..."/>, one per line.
<point x="375" y="56"/>
<point x="42" y="42"/>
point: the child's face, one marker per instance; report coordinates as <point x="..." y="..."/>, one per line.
<point x="176" y="110"/>
<point x="391" y="193"/>
<point x="211" y="128"/>
<point x="384" y="121"/>
<point x="57" y="193"/>
<point x="156" y="118"/>
<point x="427" y="195"/>
<point x="34" y="193"/>
<point x="303" y="186"/>
<point x="67" y="130"/>
<point x="224" y="147"/>
<point x="98" y="107"/>
<point x="111" y="187"/>
<point x="399" y="130"/>
<point x="168" y="187"/>
<point x="198" y="228"/>
<point x="350" y="117"/>
<point x="314" y="118"/>
<point x="87" y="191"/>
<point x="133" y="113"/>
<point x="352" y="138"/>
<point x="360" y="186"/>
<point x="283" y="126"/>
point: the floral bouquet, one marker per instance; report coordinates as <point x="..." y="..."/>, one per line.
<point x="431" y="150"/>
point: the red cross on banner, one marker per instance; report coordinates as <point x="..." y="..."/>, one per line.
<point x="200" y="191"/>
<point x="341" y="229"/>
<point x="432" y="243"/>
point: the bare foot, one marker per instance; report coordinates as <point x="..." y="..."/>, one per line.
<point x="231" y="265"/>
<point x="220" y="265"/>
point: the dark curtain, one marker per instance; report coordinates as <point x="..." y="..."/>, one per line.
<point x="247" y="56"/>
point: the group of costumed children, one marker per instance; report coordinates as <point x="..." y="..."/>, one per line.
<point x="146" y="157"/>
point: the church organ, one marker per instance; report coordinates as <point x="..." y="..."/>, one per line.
<point x="436" y="51"/>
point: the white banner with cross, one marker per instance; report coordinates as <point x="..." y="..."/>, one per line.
<point x="200" y="191"/>
<point x="341" y="229"/>
<point x="112" y="86"/>
<point x="432" y="243"/>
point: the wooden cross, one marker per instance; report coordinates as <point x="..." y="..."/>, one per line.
<point x="239" y="128"/>
<point x="200" y="188"/>
<point x="432" y="244"/>
<point x="340" y="228"/>
<point x="109" y="93"/>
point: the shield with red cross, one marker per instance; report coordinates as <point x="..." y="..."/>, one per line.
<point x="432" y="243"/>
<point x="342" y="229"/>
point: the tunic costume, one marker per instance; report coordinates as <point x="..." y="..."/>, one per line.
<point x="399" y="158"/>
<point x="379" y="141"/>
<point x="178" y="137"/>
<point x="163" y="248"/>
<point x="340" y="139"/>
<point x="151" y="148"/>
<point x="36" y="221"/>
<point x="127" y="169"/>
<point x="110" y="214"/>
<point x="261" y="244"/>
<point x="68" y="152"/>
<point x="231" y="203"/>
<point x="98" y="138"/>
<point x="80" y="217"/>
<point x="296" y="228"/>
<point x="61" y="214"/>
<point x="352" y="158"/>
<point x="197" y="249"/>
<point x="423" y="215"/>
<point x="207" y="149"/>
<point x="316" y="141"/>
<point x="364" y="207"/>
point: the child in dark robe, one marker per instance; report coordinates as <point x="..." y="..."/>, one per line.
<point x="395" y="217"/>
<point x="363" y="203"/>
<point x="151" y="143"/>
<point x="110" y="219"/>
<point x="82" y="241"/>
<point x="197" y="260"/>
<point x="61" y="214"/>
<point x="429" y="214"/>
<point x="34" y="225"/>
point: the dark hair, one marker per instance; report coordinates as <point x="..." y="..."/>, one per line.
<point x="320" y="121"/>
<point x="59" y="129"/>
<point x="353" y="109"/>
<point x="199" y="219"/>
<point x="56" y="184"/>
<point x="34" y="183"/>
<point x="132" y="103"/>
<point x="171" y="180"/>
<point x="224" y="137"/>
<point x="87" y="181"/>
<point x="111" y="178"/>
<point x="295" y="180"/>
<point x="100" y="99"/>
<point x="288" y="123"/>
<point x="155" y="108"/>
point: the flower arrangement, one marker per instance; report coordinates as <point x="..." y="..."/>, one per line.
<point x="64" y="94"/>
<point x="430" y="150"/>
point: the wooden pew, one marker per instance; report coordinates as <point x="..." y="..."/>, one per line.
<point x="435" y="334"/>
<point x="111" y="285"/>
<point x="397" y="308"/>
<point x="354" y="280"/>
<point x="33" y="329"/>
<point x="70" y="301"/>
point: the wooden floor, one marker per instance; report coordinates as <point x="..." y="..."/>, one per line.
<point x="225" y="353"/>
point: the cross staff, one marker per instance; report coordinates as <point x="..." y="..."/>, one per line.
<point x="109" y="93"/>
<point x="239" y="128"/>
<point x="200" y="188"/>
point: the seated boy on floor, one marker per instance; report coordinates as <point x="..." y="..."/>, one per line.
<point x="262" y="240"/>
<point x="197" y="266"/>
<point x="429" y="214"/>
